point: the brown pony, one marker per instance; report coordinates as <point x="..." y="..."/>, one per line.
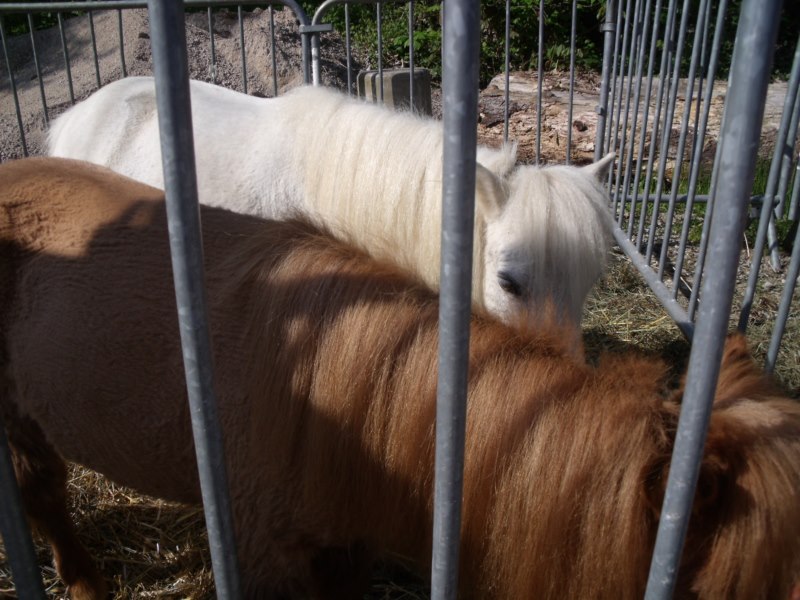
<point x="326" y="381"/>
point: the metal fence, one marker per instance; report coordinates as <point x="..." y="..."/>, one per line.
<point x="636" y="118"/>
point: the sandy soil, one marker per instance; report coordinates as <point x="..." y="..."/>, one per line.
<point x="86" y="78"/>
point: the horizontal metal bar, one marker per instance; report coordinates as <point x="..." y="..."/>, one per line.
<point x="662" y="292"/>
<point x="321" y="28"/>
<point x="328" y="4"/>
<point x="700" y="198"/>
<point x="23" y="7"/>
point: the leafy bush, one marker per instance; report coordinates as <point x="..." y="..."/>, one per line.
<point x="523" y="42"/>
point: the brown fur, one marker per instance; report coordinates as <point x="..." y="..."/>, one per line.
<point x="326" y="382"/>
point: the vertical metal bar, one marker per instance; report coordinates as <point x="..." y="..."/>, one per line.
<point x="38" y="68"/>
<point x="94" y="49"/>
<point x="769" y="194"/>
<point x="573" y="28"/>
<point x="785" y="305"/>
<point x="347" y="48"/>
<point x="636" y="104"/>
<point x="758" y="26"/>
<point x="170" y="66"/>
<point x="611" y="131"/>
<point x="788" y="151"/>
<point x="605" y="74"/>
<point x="411" y="56"/>
<point x="66" y="59"/>
<point x="460" y="111"/>
<point x="14" y="528"/>
<point x="705" y="235"/>
<point x="794" y="203"/>
<point x="506" y="66"/>
<point x="379" y="23"/>
<point x="241" y="41"/>
<point x="662" y="77"/>
<point x="668" y="119"/>
<point x="619" y="199"/>
<point x="539" y="77"/>
<point x="687" y="111"/>
<point x="699" y="141"/>
<point x="121" y="44"/>
<point x="643" y="139"/>
<point x="13" y="86"/>
<point x="213" y="48"/>
<point x="272" y="51"/>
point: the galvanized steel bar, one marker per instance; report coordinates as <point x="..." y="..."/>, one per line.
<point x="539" y="77"/>
<point x="38" y="68"/>
<point x="794" y="203"/>
<point x="213" y="48"/>
<point x="92" y="5"/>
<point x="20" y="552"/>
<point x="786" y="164"/>
<point x="769" y="193"/>
<point x="699" y="140"/>
<point x="121" y="44"/>
<point x="241" y="43"/>
<point x="614" y="58"/>
<point x="608" y="29"/>
<point x="627" y="24"/>
<point x="788" y="150"/>
<point x="786" y="303"/>
<point x="668" y="118"/>
<point x="65" y="51"/>
<point x="461" y="43"/>
<point x="13" y="85"/>
<point x="411" y="55"/>
<point x="705" y="236"/>
<point x="272" y="50"/>
<point x="94" y="45"/>
<point x="646" y="113"/>
<point x="347" y="49"/>
<point x="657" y="286"/>
<point x="741" y="127"/>
<point x="380" y="48"/>
<point x="637" y="101"/>
<point x="170" y="67"/>
<point x="697" y="45"/>
<point x="622" y="134"/>
<point x="573" y="28"/>
<point x="506" y="66"/>
<point x="663" y="70"/>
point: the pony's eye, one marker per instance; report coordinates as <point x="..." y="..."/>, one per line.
<point x="509" y="284"/>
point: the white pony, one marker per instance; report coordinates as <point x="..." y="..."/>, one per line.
<point x="371" y="175"/>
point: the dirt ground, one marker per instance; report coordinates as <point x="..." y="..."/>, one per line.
<point x="148" y="548"/>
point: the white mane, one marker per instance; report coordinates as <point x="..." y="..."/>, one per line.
<point x="372" y="175"/>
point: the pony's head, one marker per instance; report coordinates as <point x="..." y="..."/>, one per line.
<point x="546" y="239"/>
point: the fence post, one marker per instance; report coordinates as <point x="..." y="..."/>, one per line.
<point x="460" y="114"/>
<point x="170" y="67"/>
<point x="608" y="29"/>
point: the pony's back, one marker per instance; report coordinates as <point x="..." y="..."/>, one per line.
<point x="326" y="377"/>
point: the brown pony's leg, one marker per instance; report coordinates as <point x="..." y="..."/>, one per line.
<point x="42" y="478"/>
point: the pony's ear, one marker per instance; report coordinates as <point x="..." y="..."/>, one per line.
<point x="491" y="193"/>
<point x="500" y="162"/>
<point x="599" y="170"/>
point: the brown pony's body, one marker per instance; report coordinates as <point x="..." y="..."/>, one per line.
<point x="326" y="379"/>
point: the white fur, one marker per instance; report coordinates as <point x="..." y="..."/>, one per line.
<point x="371" y="175"/>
